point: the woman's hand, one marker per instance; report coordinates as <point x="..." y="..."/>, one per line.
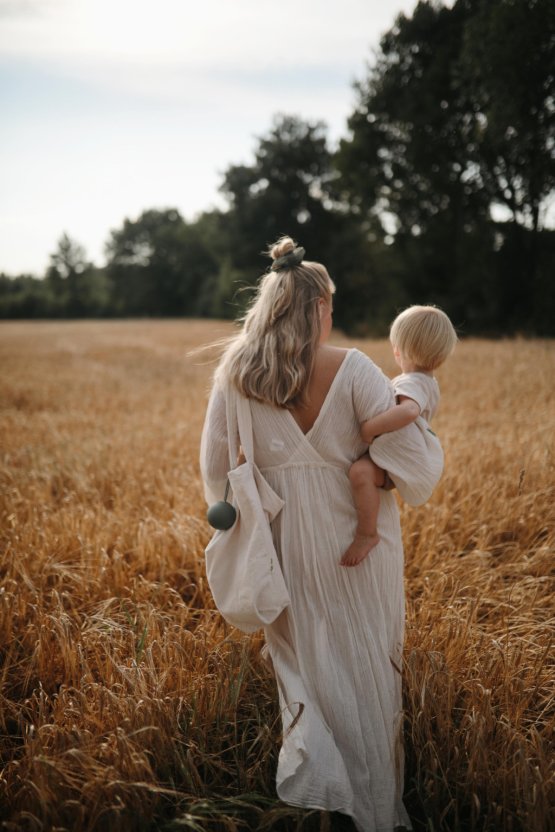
<point x="241" y="458"/>
<point x="388" y="484"/>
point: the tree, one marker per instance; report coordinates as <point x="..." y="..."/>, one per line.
<point x="508" y="66"/>
<point x="403" y="164"/>
<point x="292" y="188"/>
<point x="432" y="141"/>
<point x="403" y="159"/>
<point x="158" y="265"/>
<point x="24" y="296"/>
<point x="69" y="279"/>
<point x="284" y="191"/>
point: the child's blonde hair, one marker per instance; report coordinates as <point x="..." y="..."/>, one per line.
<point x="424" y="335"/>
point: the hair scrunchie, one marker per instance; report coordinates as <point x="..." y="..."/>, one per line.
<point x="289" y="260"/>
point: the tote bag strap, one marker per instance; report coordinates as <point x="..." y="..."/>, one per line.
<point x="244" y="419"/>
<point x="239" y="426"/>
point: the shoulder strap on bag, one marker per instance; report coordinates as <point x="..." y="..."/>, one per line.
<point x="244" y="420"/>
<point x="239" y="425"/>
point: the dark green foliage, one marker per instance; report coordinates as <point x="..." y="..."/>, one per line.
<point x="285" y="191"/>
<point x="159" y="265"/>
<point x="507" y="67"/>
<point x="24" y="297"/>
<point x="456" y="117"/>
<point x="71" y="288"/>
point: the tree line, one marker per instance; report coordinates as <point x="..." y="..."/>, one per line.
<point x="437" y="194"/>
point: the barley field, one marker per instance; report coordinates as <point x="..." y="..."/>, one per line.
<point x="126" y="703"/>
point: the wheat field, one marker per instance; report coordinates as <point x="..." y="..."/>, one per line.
<point x="126" y="703"/>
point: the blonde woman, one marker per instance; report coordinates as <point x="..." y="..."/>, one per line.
<point x="336" y="650"/>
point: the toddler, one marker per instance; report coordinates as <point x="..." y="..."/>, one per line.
<point x="422" y="338"/>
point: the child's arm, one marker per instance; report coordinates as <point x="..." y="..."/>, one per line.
<point x="398" y="416"/>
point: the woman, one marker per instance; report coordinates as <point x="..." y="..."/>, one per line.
<point x="336" y="650"/>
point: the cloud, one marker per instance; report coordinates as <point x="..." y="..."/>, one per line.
<point x="56" y="87"/>
<point x="229" y="56"/>
<point x="25" y="8"/>
<point x="245" y="33"/>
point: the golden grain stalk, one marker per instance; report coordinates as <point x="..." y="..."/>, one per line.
<point x="125" y="700"/>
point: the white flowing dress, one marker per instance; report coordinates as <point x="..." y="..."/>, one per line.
<point x="336" y="650"/>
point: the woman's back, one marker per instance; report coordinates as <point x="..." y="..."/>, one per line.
<point x="345" y="388"/>
<point x="327" y="363"/>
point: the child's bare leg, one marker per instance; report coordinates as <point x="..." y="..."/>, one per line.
<point x="366" y="478"/>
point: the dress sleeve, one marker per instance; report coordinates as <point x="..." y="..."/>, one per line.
<point x="372" y="390"/>
<point x="412" y="458"/>
<point x="409" y="385"/>
<point x="214" y="448"/>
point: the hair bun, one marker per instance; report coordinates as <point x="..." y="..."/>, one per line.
<point x="281" y="247"/>
<point x="289" y="260"/>
<point x="286" y="254"/>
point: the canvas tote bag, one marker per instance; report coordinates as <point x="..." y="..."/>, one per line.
<point x="242" y="566"/>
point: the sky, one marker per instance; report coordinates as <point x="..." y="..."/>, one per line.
<point x="111" y="107"/>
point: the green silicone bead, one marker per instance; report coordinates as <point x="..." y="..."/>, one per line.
<point x="221" y="515"/>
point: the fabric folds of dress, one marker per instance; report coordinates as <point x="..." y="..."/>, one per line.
<point x="336" y="650"/>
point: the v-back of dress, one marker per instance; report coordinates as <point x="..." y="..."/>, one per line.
<point x="336" y="651"/>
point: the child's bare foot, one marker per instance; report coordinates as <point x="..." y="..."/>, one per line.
<point x="359" y="549"/>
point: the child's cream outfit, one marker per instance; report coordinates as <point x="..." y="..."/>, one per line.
<point x="425" y="457"/>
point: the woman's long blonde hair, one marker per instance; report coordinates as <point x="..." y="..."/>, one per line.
<point x="272" y="357"/>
